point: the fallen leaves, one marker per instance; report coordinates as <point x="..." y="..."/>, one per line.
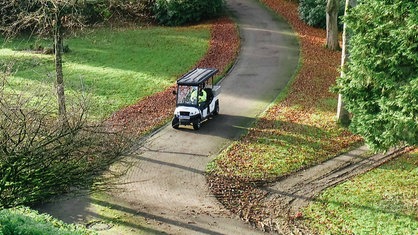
<point x="224" y="45"/>
<point x="155" y="110"/>
<point x="241" y="196"/>
<point x="298" y="132"/>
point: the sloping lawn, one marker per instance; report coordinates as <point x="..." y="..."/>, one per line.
<point x="113" y="67"/>
<point x="299" y="130"/>
<point x="285" y="140"/>
<point x="382" y="201"/>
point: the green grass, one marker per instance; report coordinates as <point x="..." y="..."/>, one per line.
<point x="123" y="219"/>
<point x="23" y="220"/>
<point x="382" y="201"/>
<point x="113" y="67"/>
<point x="286" y="139"/>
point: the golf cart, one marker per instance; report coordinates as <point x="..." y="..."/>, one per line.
<point x="191" y="107"/>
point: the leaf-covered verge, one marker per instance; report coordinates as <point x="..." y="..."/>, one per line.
<point x="156" y="109"/>
<point x="296" y="132"/>
<point x="300" y="130"/>
<point x="373" y="203"/>
<point x="22" y="220"/>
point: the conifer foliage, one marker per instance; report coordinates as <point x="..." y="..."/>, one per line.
<point x="380" y="85"/>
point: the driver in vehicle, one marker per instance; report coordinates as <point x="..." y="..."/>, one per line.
<point x="202" y="95"/>
<point x="196" y="98"/>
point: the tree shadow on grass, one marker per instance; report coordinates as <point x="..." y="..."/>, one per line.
<point x="115" y="70"/>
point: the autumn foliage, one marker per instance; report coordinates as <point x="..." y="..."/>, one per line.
<point x="155" y="110"/>
<point x="303" y="122"/>
<point x="300" y="130"/>
<point x="297" y="132"/>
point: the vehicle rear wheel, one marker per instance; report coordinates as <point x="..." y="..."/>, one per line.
<point x="196" y="124"/>
<point x="175" y="123"/>
<point x="216" y="111"/>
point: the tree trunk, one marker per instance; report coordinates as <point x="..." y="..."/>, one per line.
<point x="332" y="26"/>
<point x="342" y="114"/>
<point x="62" y="112"/>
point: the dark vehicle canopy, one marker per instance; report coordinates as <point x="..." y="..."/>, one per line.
<point x="196" y="76"/>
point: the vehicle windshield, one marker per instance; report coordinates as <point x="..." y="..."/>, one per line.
<point x="187" y="95"/>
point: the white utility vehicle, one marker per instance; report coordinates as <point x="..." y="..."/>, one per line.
<point x="190" y="109"/>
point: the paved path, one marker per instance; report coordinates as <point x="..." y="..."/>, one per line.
<point x="166" y="184"/>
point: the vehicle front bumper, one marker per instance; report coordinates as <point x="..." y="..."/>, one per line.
<point x="187" y="115"/>
<point x="186" y="120"/>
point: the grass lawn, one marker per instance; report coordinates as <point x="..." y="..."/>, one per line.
<point x="382" y="201"/>
<point x="299" y="130"/>
<point x="286" y="139"/>
<point x="22" y="220"/>
<point x="114" y="67"/>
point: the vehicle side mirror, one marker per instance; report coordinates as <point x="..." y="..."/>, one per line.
<point x="174" y="92"/>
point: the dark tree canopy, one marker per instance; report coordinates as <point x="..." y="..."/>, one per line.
<point x="19" y="16"/>
<point x="312" y="12"/>
<point x="37" y="16"/>
<point x="380" y="83"/>
<point x="181" y="12"/>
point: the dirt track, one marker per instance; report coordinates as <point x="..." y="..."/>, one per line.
<point x="279" y="207"/>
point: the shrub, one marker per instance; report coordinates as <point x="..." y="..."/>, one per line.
<point x="23" y="220"/>
<point x="312" y="12"/>
<point x="139" y="10"/>
<point x="180" y="12"/>
<point x="39" y="157"/>
<point x="380" y="83"/>
<point x="82" y="13"/>
<point x="122" y="10"/>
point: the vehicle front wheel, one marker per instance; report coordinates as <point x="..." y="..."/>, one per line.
<point x="196" y="124"/>
<point x="175" y="123"/>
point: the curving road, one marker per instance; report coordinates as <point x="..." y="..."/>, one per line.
<point x="166" y="184"/>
